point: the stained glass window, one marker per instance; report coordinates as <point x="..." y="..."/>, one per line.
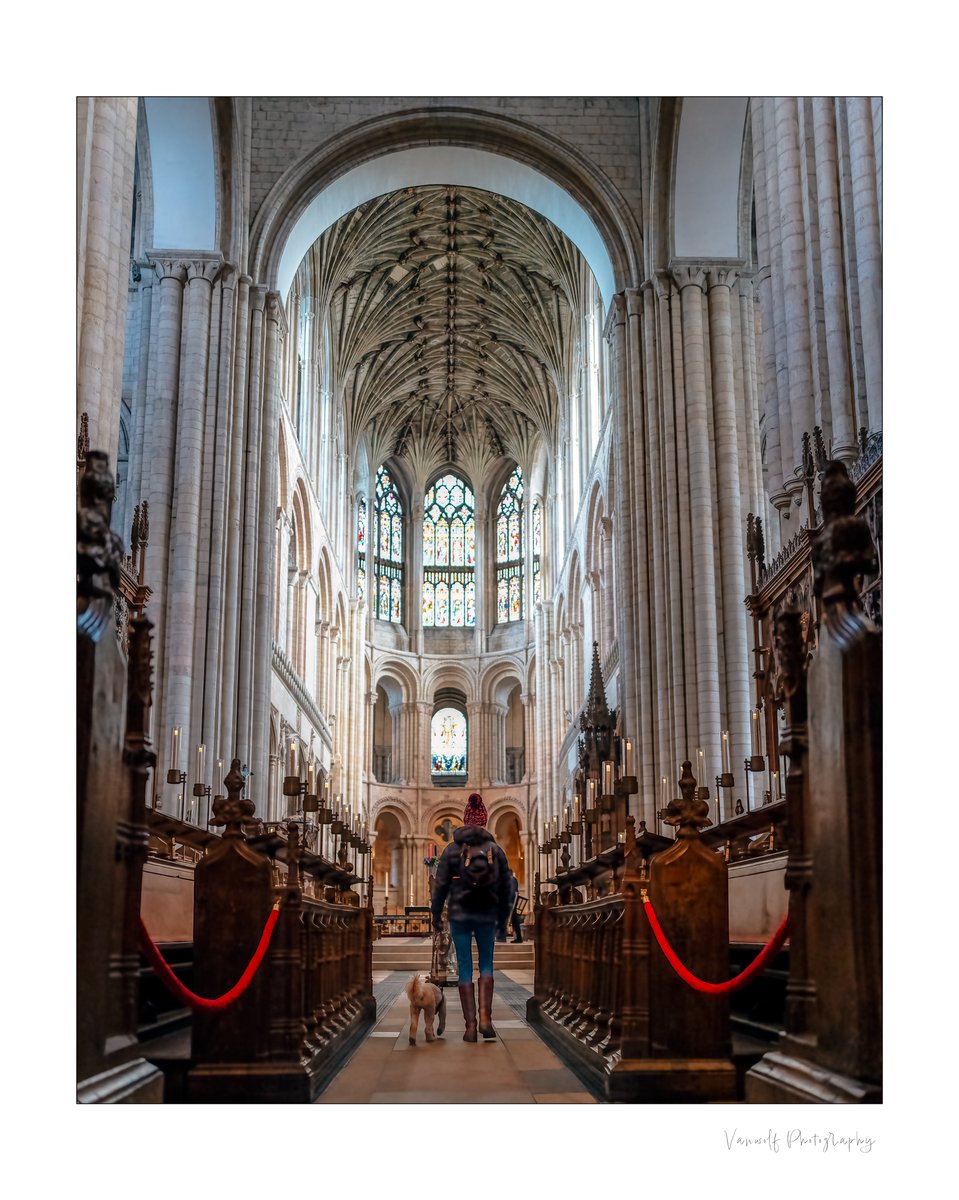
<point x="449" y="554"/>
<point x="509" y="551"/>
<point x="361" y="550"/>
<point x="537" y="553"/>
<point x="387" y="538"/>
<point x="448" y="742"/>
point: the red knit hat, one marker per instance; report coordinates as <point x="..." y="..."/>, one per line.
<point x="475" y="812"/>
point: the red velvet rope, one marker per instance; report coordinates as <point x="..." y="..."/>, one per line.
<point x="200" y="1003"/>
<point x="759" y="963"/>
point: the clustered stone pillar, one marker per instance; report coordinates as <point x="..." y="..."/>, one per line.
<point x="106" y="136"/>
<point x="817" y="165"/>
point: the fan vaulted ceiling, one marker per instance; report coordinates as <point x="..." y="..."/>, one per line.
<point x="455" y="324"/>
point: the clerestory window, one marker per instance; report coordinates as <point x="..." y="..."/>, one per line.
<point x="449" y="554"/>
<point x="509" y="551"/>
<point x="387" y="549"/>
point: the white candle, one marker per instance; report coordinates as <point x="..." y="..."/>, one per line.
<point x="200" y="752"/>
<point x="775" y="787"/>
<point x="726" y="768"/>
<point x="292" y="770"/>
<point x="175" y="749"/>
<point x="590" y="793"/>
<point x="310" y="781"/>
<point x="607" y="777"/>
<point x="628" y="757"/>
<point x="219" y="771"/>
<point x="755" y="731"/>
<point x="664" y="792"/>
<point x="701" y="767"/>
<point x="576" y="808"/>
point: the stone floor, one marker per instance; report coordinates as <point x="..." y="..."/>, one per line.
<point x="514" y="1068"/>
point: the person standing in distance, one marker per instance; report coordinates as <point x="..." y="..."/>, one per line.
<point x="474" y="874"/>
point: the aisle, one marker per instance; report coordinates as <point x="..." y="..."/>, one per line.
<point x="514" y="1068"/>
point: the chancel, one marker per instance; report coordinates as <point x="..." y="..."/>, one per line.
<point x="525" y="448"/>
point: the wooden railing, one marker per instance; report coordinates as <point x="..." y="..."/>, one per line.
<point x="603" y="994"/>
<point x="311" y="1000"/>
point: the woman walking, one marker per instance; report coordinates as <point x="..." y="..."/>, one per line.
<point x="474" y="874"/>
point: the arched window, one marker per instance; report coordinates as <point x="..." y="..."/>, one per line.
<point x="361" y="550"/>
<point x="448" y="742"/>
<point x="449" y="554"/>
<point x="509" y="551"/>
<point x="537" y="552"/>
<point x="388" y="549"/>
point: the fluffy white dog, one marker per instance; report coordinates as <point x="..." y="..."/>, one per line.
<point x="429" y="999"/>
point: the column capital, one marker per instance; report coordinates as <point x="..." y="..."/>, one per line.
<point x="204" y="267"/>
<point x="527" y="698"/>
<point x="689" y="275"/>
<point x="616" y="314"/>
<point x="634" y="302"/>
<point x="722" y="275"/>
<point x="275" y="312"/>
<point x="167" y="266"/>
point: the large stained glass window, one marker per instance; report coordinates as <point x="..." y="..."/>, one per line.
<point x="448" y="742"/>
<point x="387" y="537"/>
<point x="509" y="551"/>
<point x="537" y="553"/>
<point x="449" y="554"/>
<point x="361" y="550"/>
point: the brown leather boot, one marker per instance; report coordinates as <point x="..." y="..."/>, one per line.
<point x="468" y="1001"/>
<point x="486" y="1006"/>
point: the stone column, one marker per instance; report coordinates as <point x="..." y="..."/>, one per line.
<point x="528" y="700"/>
<point x="414" y="572"/>
<point x="767" y="224"/>
<point x="865" y="218"/>
<point x="248" y="554"/>
<point x="421" y="770"/>
<point x="158" y="485"/>
<point x="135" y="490"/>
<point x="730" y="450"/>
<point x="181" y="598"/>
<point x="795" y="289"/>
<point x="106" y="129"/>
<point x="481" y="572"/>
<point x="701" y="582"/>
<point x="477" y="763"/>
<point x="228" y="739"/>
<point x="275" y="330"/>
<point x="842" y="417"/>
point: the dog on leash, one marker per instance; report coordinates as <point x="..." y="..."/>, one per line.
<point x="428" y="999"/>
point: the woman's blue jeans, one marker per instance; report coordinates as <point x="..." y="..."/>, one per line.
<point x="462" y="933"/>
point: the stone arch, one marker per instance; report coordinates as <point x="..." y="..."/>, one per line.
<point x="449" y="674"/>
<point x="457" y="145"/>
<point x="505" y="674"/>
<point x="401" y="675"/>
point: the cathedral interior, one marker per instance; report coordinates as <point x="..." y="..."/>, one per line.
<point x="528" y="447"/>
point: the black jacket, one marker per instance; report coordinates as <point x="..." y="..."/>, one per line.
<point x="448" y="880"/>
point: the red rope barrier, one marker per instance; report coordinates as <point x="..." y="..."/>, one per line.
<point x="769" y="951"/>
<point x="200" y="1003"/>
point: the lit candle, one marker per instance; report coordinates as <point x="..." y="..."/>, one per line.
<point x="628" y="757"/>
<point x="200" y="752"/>
<point x="608" y="777"/>
<point x="576" y="807"/>
<point x="775" y="788"/>
<point x="755" y="731"/>
<point x="310" y="790"/>
<point x="175" y="749"/>
<point x="664" y="792"/>
<point x="567" y="814"/>
<point x="292" y="757"/>
<point x="219" y="771"/>
<point x="726" y="770"/>
<point x="701" y="767"/>
<point x="590" y="793"/>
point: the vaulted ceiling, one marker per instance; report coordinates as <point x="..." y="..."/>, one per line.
<point x="455" y="321"/>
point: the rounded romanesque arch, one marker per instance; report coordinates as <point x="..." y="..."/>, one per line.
<point x="510" y="156"/>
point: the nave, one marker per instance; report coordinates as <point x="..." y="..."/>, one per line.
<point x="514" y="1068"/>
<point x="524" y="446"/>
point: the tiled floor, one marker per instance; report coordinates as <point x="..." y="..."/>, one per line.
<point x="514" y="1068"/>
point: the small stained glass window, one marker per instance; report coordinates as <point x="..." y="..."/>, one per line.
<point x="449" y="554"/>
<point x="509" y="551"/>
<point x="448" y="742"/>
